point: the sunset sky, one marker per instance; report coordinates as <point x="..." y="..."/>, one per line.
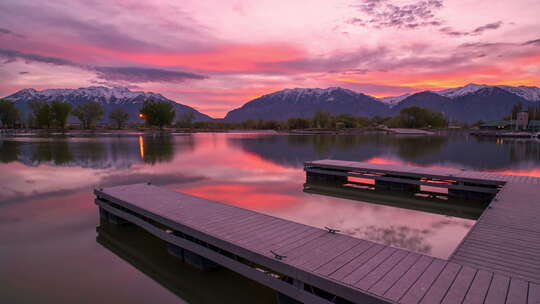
<point x="217" y="55"/>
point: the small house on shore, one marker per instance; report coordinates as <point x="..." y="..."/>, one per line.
<point x="510" y="125"/>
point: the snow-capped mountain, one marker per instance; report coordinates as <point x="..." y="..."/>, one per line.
<point x="526" y="92"/>
<point x="301" y="102"/>
<point x="116" y="95"/>
<point x="109" y="98"/>
<point x="469" y="103"/>
<point x="394" y="100"/>
<point x="460" y="91"/>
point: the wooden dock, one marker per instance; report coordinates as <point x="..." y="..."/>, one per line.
<point x="505" y="239"/>
<point x="308" y="264"/>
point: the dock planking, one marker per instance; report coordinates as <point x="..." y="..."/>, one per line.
<point x="350" y="269"/>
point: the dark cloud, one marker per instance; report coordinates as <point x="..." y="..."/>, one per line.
<point x="24" y="73"/>
<point x="378" y="59"/>
<point x="373" y="87"/>
<point x="102" y="35"/>
<point x="113" y="84"/>
<point x="531" y="42"/>
<point x="12" y="55"/>
<point x="139" y="75"/>
<point x="124" y="74"/>
<point x="100" y="27"/>
<point x="385" y="14"/>
<point x="4" y="31"/>
<point x="489" y="26"/>
<point x="477" y="31"/>
<point x="335" y="63"/>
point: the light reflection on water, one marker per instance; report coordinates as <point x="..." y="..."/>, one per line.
<point x="47" y="216"/>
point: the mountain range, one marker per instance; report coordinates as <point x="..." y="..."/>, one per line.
<point x="469" y="103"/>
<point x="109" y="98"/>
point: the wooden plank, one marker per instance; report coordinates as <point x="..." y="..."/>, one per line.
<point x="503" y="244"/>
<point x="374" y="276"/>
<point x="517" y="293"/>
<point x="479" y="288"/>
<point x="341" y="260"/>
<point x="365" y="268"/>
<point x="442" y="284"/>
<point x="255" y="233"/>
<point x="497" y="248"/>
<point x="409" y="278"/>
<point x="270" y="235"/>
<point x="421" y="286"/>
<point x="280" y="238"/>
<point x="527" y="260"/>
<point x="494" y="265"/>
<point x="314" y="249"/>
<point x="395" y="274"/>
<point x="229" y="232"/>
<point x="460" y="286"/>
<point x="294" y="239"/>
<point x="356" y="262"/>
<point x="299" y="242"/>
<point x="330" y="253"/>
<point x="498" y="289"/>
<point x="534" y="294"/>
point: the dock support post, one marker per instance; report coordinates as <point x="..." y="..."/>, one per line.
<point x="111" y="218"/>
<point x="464" y="194"/>
<point x="387" y="185"/>
<point x="284" y="299"/>
<point x="312" y="177"/>
<point x="191" y="258"/>
<point x="175" y="251"/>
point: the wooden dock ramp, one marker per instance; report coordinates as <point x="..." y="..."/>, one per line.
<point x="311" y="265"/>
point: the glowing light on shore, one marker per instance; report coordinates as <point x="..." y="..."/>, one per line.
<point x="141" y="146"/>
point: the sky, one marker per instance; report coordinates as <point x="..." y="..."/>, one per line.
<point x="217" y="55"/>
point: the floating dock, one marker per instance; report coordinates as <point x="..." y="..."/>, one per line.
<point x="406" y="131"/>
<point x="305" y="264"/>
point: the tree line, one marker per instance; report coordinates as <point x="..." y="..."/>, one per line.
<point x="412" y="117"/>
<point x="45" y="115"/>
<point x="161" y="114"/>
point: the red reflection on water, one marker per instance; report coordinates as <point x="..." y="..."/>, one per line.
<point x="532" y="172"/>
<point x="249" y="196"/>
<point x="383" y="161"/>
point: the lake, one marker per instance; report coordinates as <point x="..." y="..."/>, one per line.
<point x="53" y="247"/>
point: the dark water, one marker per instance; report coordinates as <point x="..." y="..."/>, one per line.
<point x="50" y="251"/>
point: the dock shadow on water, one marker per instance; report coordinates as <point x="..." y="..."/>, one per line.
<point x="149" y="255"/>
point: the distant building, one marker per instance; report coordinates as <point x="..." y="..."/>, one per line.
<point x="510" y="125"/>
<point x="522" y="120"/>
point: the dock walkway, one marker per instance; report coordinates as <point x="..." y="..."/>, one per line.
<point x="305" y="263"/>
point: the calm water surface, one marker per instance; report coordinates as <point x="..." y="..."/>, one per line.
<point x="50" y="251"/>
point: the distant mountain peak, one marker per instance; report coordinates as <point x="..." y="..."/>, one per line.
<point x="99" y="94"/>
<point x="529" y="93"/>
<point x="461" y="91"/>
<point x="305" y="102"/>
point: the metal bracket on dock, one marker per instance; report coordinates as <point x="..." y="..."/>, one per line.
<point x="332" y="231"/>
<point x="278" y="256"/>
